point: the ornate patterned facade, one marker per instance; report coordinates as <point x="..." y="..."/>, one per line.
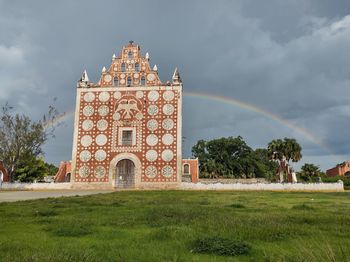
<point x="129" y="114"/>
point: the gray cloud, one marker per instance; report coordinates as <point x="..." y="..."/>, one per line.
<point x="289" y="58"/>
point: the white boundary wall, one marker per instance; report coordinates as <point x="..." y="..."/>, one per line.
<point x="266" y="186"/>
<point x="339" y="187"/>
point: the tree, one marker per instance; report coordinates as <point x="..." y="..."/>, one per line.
<point x="21" y="138"/>
<point x="282" y="151"/>
<point x="212" y="169"/>
<point x="230" y="157"/>
<point x="288" y="149"/>
<point x="265" y="167"/>
<point x="199" y="150"/>
<point x="309" y="172"/>
<point x="221" y="156"/>
<point x="31" y="169"/>
<point x="51" y="169"/>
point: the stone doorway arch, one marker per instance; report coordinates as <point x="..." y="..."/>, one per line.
<point x="128" y="166"/>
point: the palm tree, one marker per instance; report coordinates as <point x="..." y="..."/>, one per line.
<point x="292" y="150"/>
<point x="283" y="151"/>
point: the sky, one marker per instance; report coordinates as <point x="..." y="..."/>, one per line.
<point x="285" y="63"/>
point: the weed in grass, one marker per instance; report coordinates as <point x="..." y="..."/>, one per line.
<point x="204" y="202"/>
<point x="45" y="213"/>
<point x="58" y="206"/>
<point x="163" y="233"/>
<point x="220" y="246"/>
<point x="171" y="216"/>
<point x="277" y="236"/>
<point x="72" y="229"/>
<point x="237" y="205"/>
<point x="46" y="220"/>
<point x="308" y="219"/>
<point x="85" y="209"/>
<point x="116" y="204"/>
<point x="303" y="207"/>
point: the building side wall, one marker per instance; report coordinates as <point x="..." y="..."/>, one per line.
<point x="63" y="170"/>
<point x="4" y="172"/>
<point x="193" y="168"/>
<point x="339" y="170"/>
<point x="335" y="171"/>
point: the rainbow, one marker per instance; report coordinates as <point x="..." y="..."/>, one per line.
<point x="230" y="101"/>
<point x="59" y="119"/>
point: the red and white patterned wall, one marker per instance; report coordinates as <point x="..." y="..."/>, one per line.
<point x="129" y="96"/>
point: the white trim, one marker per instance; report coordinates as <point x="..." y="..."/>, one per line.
<point x="75" y="133"/>
<point x="179" y="133"/>
<point x="130" y="88"/>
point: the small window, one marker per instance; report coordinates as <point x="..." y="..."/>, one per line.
<point x="130" y="55"/>
<point x="127" y="138"/>
<point x="122" y="67"/>
<point x="136" y="67"/>
<point x="186" y="169"/>
<point x="143" y="81"/>
<point x="116" y="81"/>
<point x="129" y="81"/>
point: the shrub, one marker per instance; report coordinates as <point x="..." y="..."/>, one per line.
<point x="237" y="205"/>
<point x="220" y="246"/>
<point x="346" y="180"/>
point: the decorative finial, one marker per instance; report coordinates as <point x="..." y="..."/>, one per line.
<point x="176" y="76"/>
<point x="131" y="42"/>
<point x="155" y="68"/>
<point x="84" y="80"/>
<point x="113" y="56"/>
<point x="147" y="56"/>
<point x="104" y="69"/>
<point x="85" y="77"/>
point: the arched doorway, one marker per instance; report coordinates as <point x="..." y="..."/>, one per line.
<point x="125" y="174"/>
<point x="347" y="174"/>
<point x="186" y="169"/>
<point x="67" y="177"/>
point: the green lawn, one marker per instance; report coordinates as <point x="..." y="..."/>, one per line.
<point x="165" y="226"/>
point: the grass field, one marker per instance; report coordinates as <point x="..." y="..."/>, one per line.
<point x="167" y="225"/>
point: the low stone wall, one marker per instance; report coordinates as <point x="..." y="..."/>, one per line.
<point x="35" y="186"/>
<point x="338" y="187"/>
<point x="232" y="180"/>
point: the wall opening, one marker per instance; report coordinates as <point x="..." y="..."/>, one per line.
<point x="125" y="174"/>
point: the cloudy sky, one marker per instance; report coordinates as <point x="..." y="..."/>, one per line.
<point x="290" y="58"/>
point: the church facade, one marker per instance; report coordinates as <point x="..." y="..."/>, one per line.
<point x="127" y="129"/>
